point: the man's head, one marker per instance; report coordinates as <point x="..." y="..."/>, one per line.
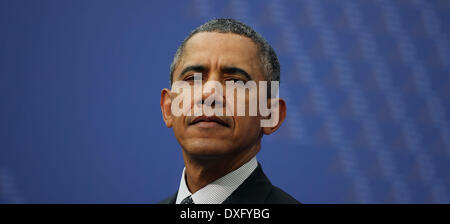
<point x="266" y="54"/>
<point x="222" y="50"/>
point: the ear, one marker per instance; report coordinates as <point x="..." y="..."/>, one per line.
<point x="281" y="110"/>
<point x="166" y="103"/>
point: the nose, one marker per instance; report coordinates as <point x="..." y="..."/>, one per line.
<point x="212" y="90"/>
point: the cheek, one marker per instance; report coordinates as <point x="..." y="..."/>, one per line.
<point x="247" y="125"/>
<point x="178" y="126"/>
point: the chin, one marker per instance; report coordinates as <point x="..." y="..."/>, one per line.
<point x="208" y="147"/>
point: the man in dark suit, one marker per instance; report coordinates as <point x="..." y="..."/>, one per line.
<point x="219" y="151"/>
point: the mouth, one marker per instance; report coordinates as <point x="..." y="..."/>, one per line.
<point x="208" y="122"/>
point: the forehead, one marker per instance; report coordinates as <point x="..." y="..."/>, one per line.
<point x="221" y="49"/>
<point x="214" y="40"/>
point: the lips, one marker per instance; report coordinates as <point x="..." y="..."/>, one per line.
<point x="211" y="119"/>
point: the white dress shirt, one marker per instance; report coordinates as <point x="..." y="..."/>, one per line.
<point x="220" y="189"/>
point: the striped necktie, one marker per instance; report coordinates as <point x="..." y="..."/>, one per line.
<point x="187" y="200"/>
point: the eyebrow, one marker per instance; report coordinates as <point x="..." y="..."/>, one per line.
<point x="226" y="69"/>
<point x="236" y="70"/>
<point x="197" y="68"/>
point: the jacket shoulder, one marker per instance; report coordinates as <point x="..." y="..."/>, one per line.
<point x="169" y="200"/>
<point x="278" y="196"/>
<point x="257" y="189"/>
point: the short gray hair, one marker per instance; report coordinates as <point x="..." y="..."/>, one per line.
<point x="268" y="57"/>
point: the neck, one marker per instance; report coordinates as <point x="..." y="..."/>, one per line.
<point x="202" y="171"/>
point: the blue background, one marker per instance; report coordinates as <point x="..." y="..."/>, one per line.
<point x="367" y="85"/>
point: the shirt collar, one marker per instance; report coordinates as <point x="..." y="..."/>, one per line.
<point x="220" y="189"/>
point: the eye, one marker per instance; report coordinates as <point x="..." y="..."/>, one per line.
<point x="236" y="80"/>
<point x="189" y="78"/>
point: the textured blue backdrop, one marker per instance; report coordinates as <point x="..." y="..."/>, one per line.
<point x="367" y="85"/>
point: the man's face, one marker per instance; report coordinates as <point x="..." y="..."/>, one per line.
<point x="219" y="57"/>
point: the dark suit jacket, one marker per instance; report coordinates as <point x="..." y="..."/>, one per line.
<point x="256" y="189"/>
